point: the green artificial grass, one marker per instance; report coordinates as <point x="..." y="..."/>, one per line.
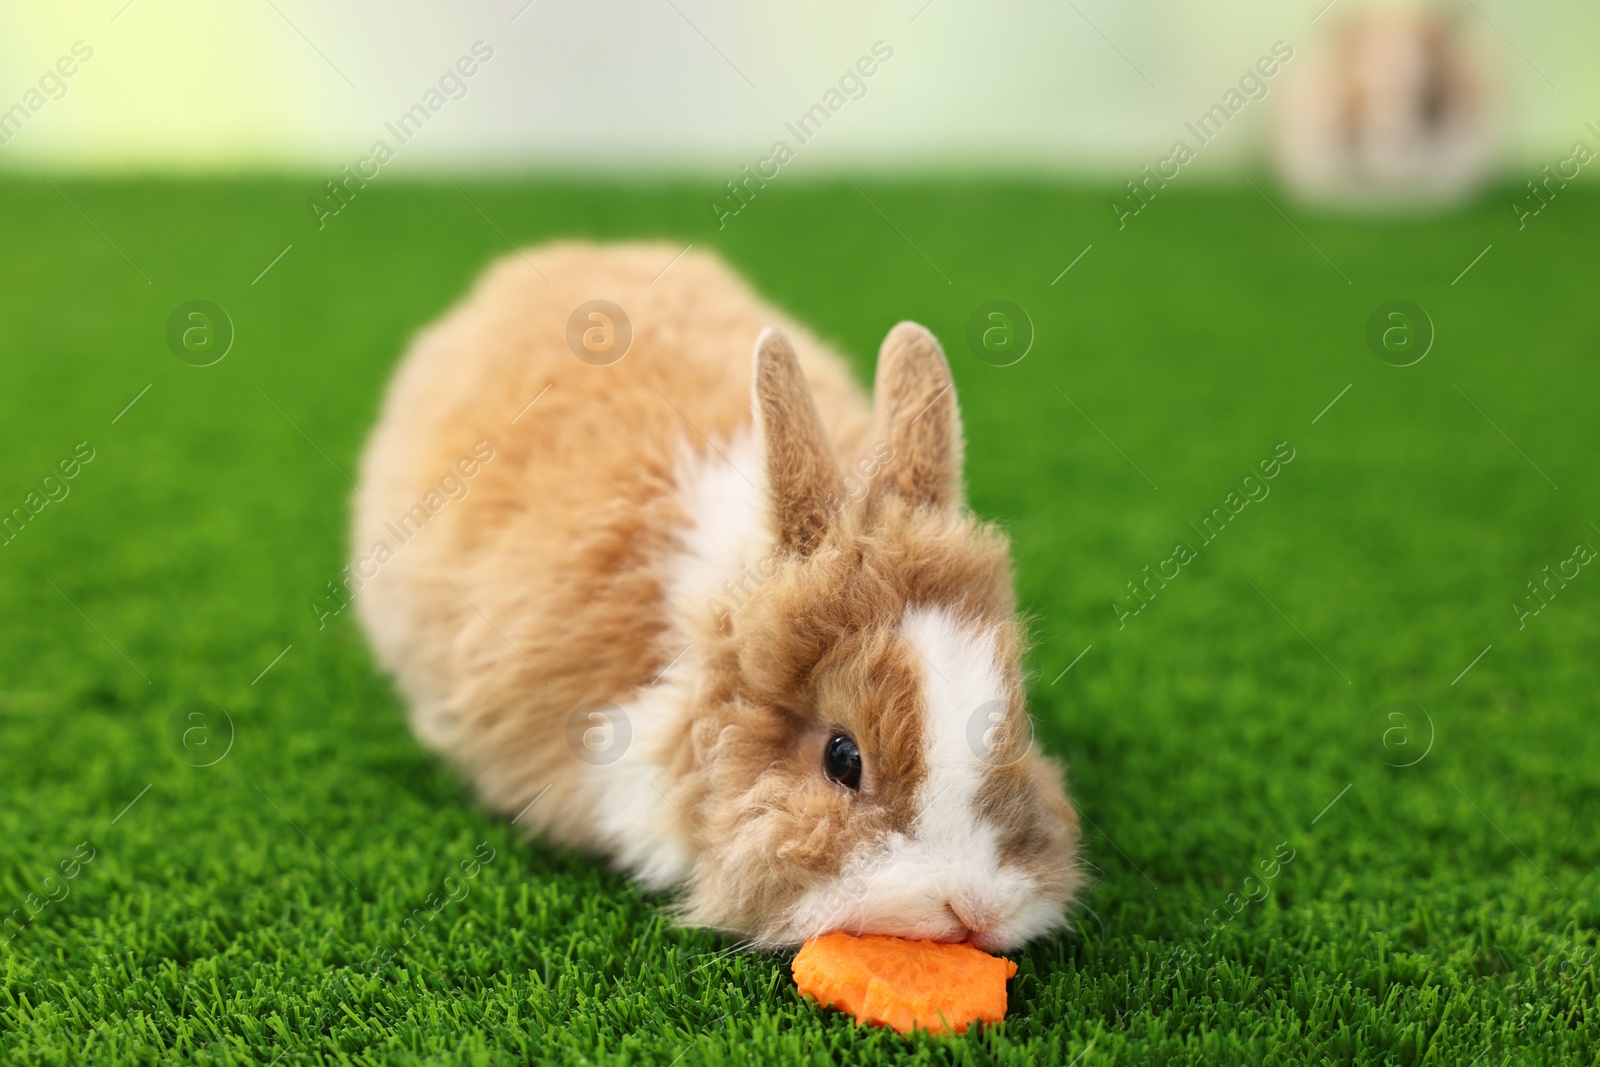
<point x="1253" y="718"/>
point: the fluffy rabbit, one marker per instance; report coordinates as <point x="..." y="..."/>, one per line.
<point x="716" y="619"/>
<point x="1399" y="112"/>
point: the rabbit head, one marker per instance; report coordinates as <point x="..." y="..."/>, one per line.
<point x="861" y="758"/>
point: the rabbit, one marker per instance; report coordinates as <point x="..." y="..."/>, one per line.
<point x="712" y="616"/>
<point x="1401" y="111"/>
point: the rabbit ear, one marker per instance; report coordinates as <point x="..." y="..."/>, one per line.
<point x="803" y="477"/>
<point x="916" y="414"/>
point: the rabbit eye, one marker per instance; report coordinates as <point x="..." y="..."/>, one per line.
<point x="841" y="761"/>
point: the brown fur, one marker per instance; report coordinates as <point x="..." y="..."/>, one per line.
<point x="545" y="589"/>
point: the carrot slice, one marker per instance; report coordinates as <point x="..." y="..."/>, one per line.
<point x="904" y="984"/>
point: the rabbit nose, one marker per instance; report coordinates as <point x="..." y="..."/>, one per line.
<point x="976" y="919"/>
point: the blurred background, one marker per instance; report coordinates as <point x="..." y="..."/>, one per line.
<point x="1087" y="86"/>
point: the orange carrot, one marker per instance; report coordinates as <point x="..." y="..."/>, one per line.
<point x="904" y="984"/>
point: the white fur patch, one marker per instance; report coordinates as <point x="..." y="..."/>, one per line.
<point x="960" y="676"/>
<point x="724" y="495"/>
<point x="916" y="883"/>
<point x="631" y="812"/>
<point x="721" y="493"/>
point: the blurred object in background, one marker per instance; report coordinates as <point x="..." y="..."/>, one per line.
<point x="1398" y="110"/>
